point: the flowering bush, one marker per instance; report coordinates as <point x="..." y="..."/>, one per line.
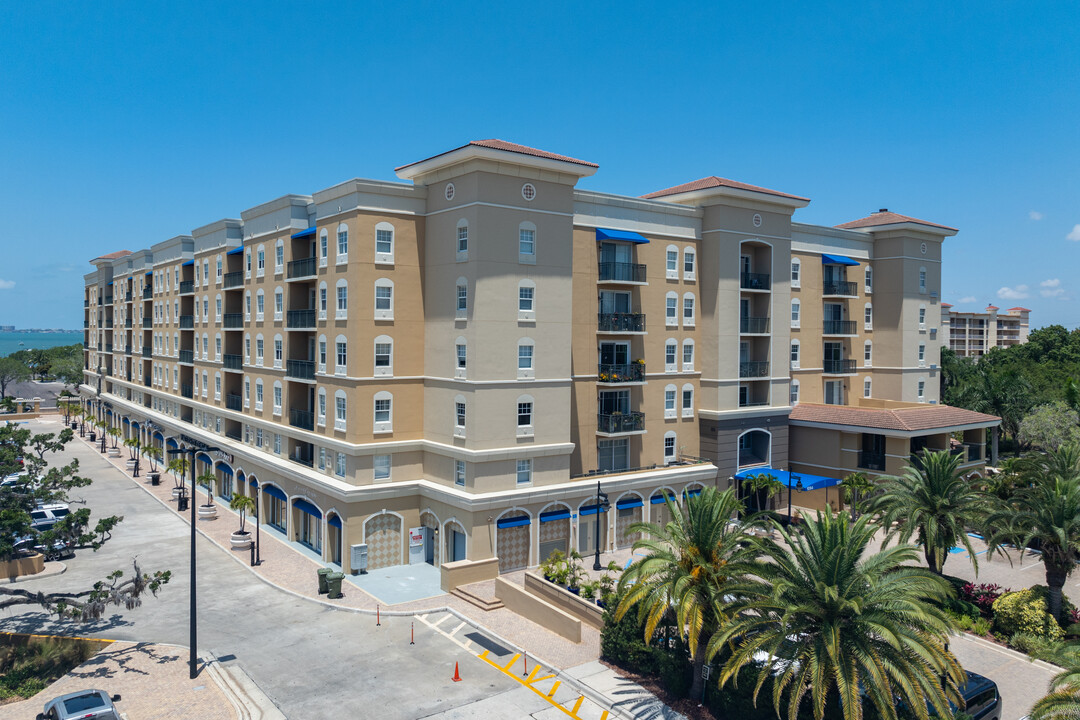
<point x="982" y="596"/>
<point x="1025" y="611"/>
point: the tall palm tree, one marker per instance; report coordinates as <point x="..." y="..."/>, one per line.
<point x="688" y="565"/>
<point x="1006" y="394"/>
<point x="856" y="487"/>
<point x="1061" y="462"/>
<point x="1063" y="700"/>
<point x="933" y="503"/>
<point x="762" y="484"/>
<point x="843" y="627"/>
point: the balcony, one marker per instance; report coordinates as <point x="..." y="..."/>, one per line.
<point x="108" y="325"/>
<point x="147" y="351"/>
<point x="147" y="293"/>
<point x="187" y="391"/>
<point x="234" y="402"/>
<point x="146" y="380"/>
<point x="840" y="288"/>
<point x="974" y="452"/>
<point x="234" y="362"/>
<point x="754" y="369"/>
<point x="753" y="403"/>
<point x="128" y="323"/>
<point x="300" y="369"/>
<point x="754" y="325"/>
<point x="621" y="322"/>
<point x="234" y="279"/>
<point x="300" y="320"/>
<point x="187" y="322"/>
<point x="108" y="299"/>
<point x="625" y="373"/>
<point x="86" y="303"/>
<point x="872" y="460"/>
<point x="187" y="357"/>
<point x="127" y="296"/>
<point x="632" y="421"/>
<point x="839" y="327"/>
<point x="187" y="287"/>
<point x="303" y="419"/>
<point x="754" y="281"/>
<point x="86" y="345"/>
<point x="233" y="321"/>
<point x="108" y="347"/>
<point x="303" y="457"/>
<point x="303" y="268"/>
<point x="622" y="272"/>
<point x="127" y="349"/>
<point x="86" y="324"/>
<point x="147" y="323"/>
<point x="838" y="367"/>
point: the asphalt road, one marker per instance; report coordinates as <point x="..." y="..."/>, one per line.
<point x="312" y="661"/>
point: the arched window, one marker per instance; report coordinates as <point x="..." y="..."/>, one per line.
<point x="279" y="303"/>
<point x="526" y="301"/>
<point x="796" y="272"/>
<point x="687" y="400"/>
<point x="527" y="243"/>
<point x="795" y="354"/>
<point x="341" y="355"/>
<point x="277" y="397"/>
<point x="342" y="243"/>
<point x="384" y="356"/>
<point x="795" y="308"/>
<point x="525" y="416"/>
<point x="526" y="367"/>
<point x="206" y="308"/>
<point x="869" y="280"/>
<point x="459" y="416"/>
<point x="671" y="355"/>
<point x="794" y="392"/>
<point x="688" y="310"/>
<point x="922" y="354"/>
<point x="206" y="272"/>
<point x="689" y="261"/>
<point x="247" y="392"/>
<point x="322" y="354"/>
<point x="460" y="358"/>
<point x="247" y="263"/>
<point x="322" y="301"/>
<point x="247" y="348"/>
<point x="868" y="316"/>
<point x="323" y="249"/>
<point x="384" y="299"/>
<point x="462" y="240"/>
<point x="218" y="274"/>
<point x="867" y="385"/>
<point x="205" y="383"/>
<point x="868" y="354"/>
<point x="671" y="266"/>
<point x="279" y="351"/>
<point x="279" y="256"/>
<point x="384" y="412"/>
<point x="922" y="317"/>
<point x="339" y="410"/>
<point x="670" y="393"/>
<point x="260" y="261"/>
<point x="320" y="408"/>
<point x="259" y="349"/>
<point x="671" y="309"/>
<point x="341" y="300"/>
<point x="384" y="243"/>
<point x="260" y="305"/>
<point x="670" y="454"/>
<point x="217" y="385"/>
<point x="205" y="346"/>
<point x="247" y="306"/>
<point x="461" y="302"/>
<point x="217" y="308"/>
<point x="217" y="347"/>
<point x="688" y="355"/>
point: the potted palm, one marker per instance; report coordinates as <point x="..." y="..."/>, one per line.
<point x="132" y="444"/>
<point x="575" y="572"/>
<point x="179" y="469"/>
<point x="208" y="510"/>
<point x="93" y="423"/>
<point x="153" y="454"/>
<point x="243" y="504"/>
<point x="550" y="567"/>
<point x="114" y="434"/>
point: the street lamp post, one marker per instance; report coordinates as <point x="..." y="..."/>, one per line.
<point x="258" y="522"/>
<point x="138" y="452"/>
<point x="798" y="488"/>
<point x="601" y="507"/>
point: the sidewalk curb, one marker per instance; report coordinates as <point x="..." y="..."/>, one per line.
<point x="1015" y="654"/>
<point x="247" y="698"/>
<point x="43" y="574"/>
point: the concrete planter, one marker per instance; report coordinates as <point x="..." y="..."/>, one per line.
<point x="207" y="512"/>
<point x="240" y="541"/>
<point x="114" y="452"/>
<point x="155" y="478"/>
<point x="19" y="567"/>
<point x="175" y="492"/>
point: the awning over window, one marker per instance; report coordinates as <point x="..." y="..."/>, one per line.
<point x="109" y="284"/>
<point x="149" y="273"/>
<point x="236" y="250"/>
<point x="225" y="469"/>
<point x="304" y="233"/>
<point x="304" y="506"/>
<point x="659" y="498"/>
<point x="254" y="483"/>
<point x="189" y="262"/>
<point x="629" y="503"/>
<point x="514" y="522"/>
<point x="588" y="510"/>
<point x="274" y="492"/>
<point x="827" y="259"/>
<point x="555" y="515"/>
<point x="692" y="493"/>
<point x="334" y="521"/>
<point x="172" y="443"/>
<point x="624" y="235"/>
<point x="789" y="479"/>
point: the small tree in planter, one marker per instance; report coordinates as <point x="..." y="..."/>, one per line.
<point x="588" y="590"/>
<point x="243" y="504"/>
<point x="153" y="454"/>
<point x="550" y="567"/>
<point x="606" y="584"/>
<point x="132" y="444"/>
<point x="207" y="509"/>
<point x="575" y="572"/>
<point x="114" y="433"/>
<point x="179" y="469"/>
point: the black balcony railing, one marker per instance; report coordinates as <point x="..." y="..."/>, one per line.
<point x="86" y="303"/>
<point x="147" y="351"/>
<point x="300" y="319"/>
<point x="753" y="324"/>
<point x="631" y="421"/>
<point x="86" y="345"/>
<point x="754" y="369"/>
<point x="127" y="296"/>
<point x="748" y="402"/>
<point x="187" y="356"/>
<point x="974" y="452"/>
<point x="187" y="287"/>
<point x="622" y="272"/>
<point x="838" y="367"/>
<point x="187" y="391"/>
<point x="233" y="362"/>
<point x="146" y="380"/>
<point x="840" y="287"/>
<point x="147" y="293"/>
<point x="108" y="325"/>
<point x="234" y="279"/>
<point x="147" y="322"/>
<point x="302" y="268"/>
<point x="108" y="299"/>
<point x="872" y="460"/>
<point x="187" y="322"/>
<point x="128" y="323"/>
<point x="621" y="322"/>
<point x="86" y="324"/>
<point x="108" y="347"/>
<point x="300" y="369"/>
<point x="233" y="321"/>
<point x="839" y="327"/>
<point x="127" y="349"/>
<point x="234" y="402"/>
<point x="303" y="419"/>
<point x="754" y="281"/>
<point x="621" y="373"/>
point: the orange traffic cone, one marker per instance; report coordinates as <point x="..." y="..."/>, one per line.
<point x="457" y="676"/>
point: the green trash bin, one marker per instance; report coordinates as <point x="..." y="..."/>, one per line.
<point x="333" y="583"/>
<point x="322" y="573"/>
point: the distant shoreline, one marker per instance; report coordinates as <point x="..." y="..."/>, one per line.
<point x="40" y="331"/>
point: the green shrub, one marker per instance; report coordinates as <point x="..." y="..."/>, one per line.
<point x="1037" y="646"/>
<point x="622" y="642"/>
<point x="981" y="627"/>
<point x="1025" y="611"/>
<point x="963" y="622"/>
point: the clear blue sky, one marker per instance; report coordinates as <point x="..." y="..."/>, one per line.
<point x="124" y="124"/>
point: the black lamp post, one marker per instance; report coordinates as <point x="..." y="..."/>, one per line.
<point x="138" y="452"/>
<point x="601" y="507"/>
<point x="193" y="638"/>
<point x="798" y="488"/>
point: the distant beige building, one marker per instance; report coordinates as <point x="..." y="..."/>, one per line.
<point x="972" y="334"/>
<point x="460" y="358"/>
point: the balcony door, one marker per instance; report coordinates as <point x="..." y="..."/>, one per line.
<point x="744" y="308"/>
<point x="834" y="351"/>
<point x="614" y="302"/>
<point x="834" y="273"/>
<point x="744" y="352"/>
<point x="613" y="455"/>
<point x="616" y="253"/>
<point x="834" y="392"/>
<point x="613" y="401"/>
<point x="834" y="312"/>
<point x="744" y="264"/>
<point x="614" y="353"/>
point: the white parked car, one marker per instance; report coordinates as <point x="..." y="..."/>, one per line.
<point x="88" y="704"/>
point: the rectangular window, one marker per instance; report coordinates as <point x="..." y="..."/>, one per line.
<point x="278" y="354"/>
<point x="688" y="403"/>
<point x="794" y="394"/>
<point x="794" y="355"/>
<point x="796" y="267"/>
<point x="459" y="473"/>
<point x="524" y="471"/>
<point x="866" y="388"/>
<point x="613" y="455"/>
<point x="322" y="458"/>
<point x="383" y="297"/>
<point x="258" y="437"/>
<point x="462" y="298"/>
<point x="525" y="299"/>
<point x="669" y="357"/>
<point x="526" y="242"/>
<point x="669" y="449"/>
<point x="795" y="314"/>
<point x="382" y="411"/>
<point x="688" y="311"/>
<point x="671" y="311"/>
<point x="463" y="239"/>
<point x="322" y="249"/>
<point x="322" y="356"/>
<point x="672" y="263"/>
<point x="459" y="414"/>
<point x="277" y="444"/>
<point x="260" y="266"/>
<point x="868" y="318"/>
<point x="382" y="355"/>
<point x="688" y="357"/>
<point x="342" y="302"/>
<point x="277" y="399"/>
<point x="461" y="359"/>
<point x="339" y="467"/>
<point x="342" y="356"/>
<point x="524" y="414"/>
<point x="342" y="244"/>
<point x="922" y="390"/>
<point x="384" y="242"/>
<point x="688" y="265"/>
<point x="922" y="281"/>
<point x="339" y="413"/>
<point x="322" y="409"/>
<point x="258" y="351"/>
<point x="382" y="467"/>
<point x="669" y="403"/>
<point x="922" y="318"/>
<point x="525" y="357"/>
<point x="922" y="355"/>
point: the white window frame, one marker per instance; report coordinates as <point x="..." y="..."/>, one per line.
<point x="462" y="253"/>
<point x="868" y="280"/>
<point x="385" y="425"/>
<point x="796" y="272"/>
<point x="322" y="351"/>
<point x="526" y="373"/>
<point x="279" y="352"/>
<point x="342" y="244"/>
<point x="459" y="473"/>
<point x="868" y="354"/>
<point x="384" y="257"/>
<point x="671" y="310"/>
<point x="868" y="387"/>
<point x="279" y="304"/>
<point x="796" y="313"/>
<point x="671" y="442"/>
<point x="341" y="297"/>
<point x="922" y="354"/>
<point x="260" y="305"/>
<point x="920" y="390"/>
<point x="341" y="410"/>
<point x="460" y="416"/>
<point x="671" y="400"/>
<point x="320" y="408"/>
<point x="380" y="467"/>
<point x="524" y="466"/>
<point x="341" y="348"/>
<point x="259" y="394"/>
<point x="383" y="370"/>
<point x="260" y="261"/>
<point x="868" y="317"/>
<point x="528" y="315"/>
<point x="689" y="302"/>
<point x="793" y="393"/>
<point x="279" y="257"/>
<point x="796" y="354"/>
<point x="922" y="317"/>
<point x="529" y="429"/>
<point x="324" y="247"/>
<point x="671" y="262"/>
<point x="461" y="358"/>
<point x="278" y="398"/>
<point x="461" y="299"/>
<point x="689" y="258"/>
<point x="524" y="257"/>
<point x="671" y="355"/>
<point x="688" y="344"/>
<point x="922" y="281"/>
<point x="687" y="408"/>
<point x="384" y="313"/>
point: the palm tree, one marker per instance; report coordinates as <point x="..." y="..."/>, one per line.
<point x="843" y="626"/>
<point x="114" y="433"/>
<point x="1063" y="700"/>
<point x="179" y="468"/>
<point x="208" y="479"/>
<point x="687" y="565"/>
<point x="243" y="504"/>
<point x="132" y="445"/>
<point x="1062" y="462"/>
<point x="933" y="503"/>
<point x="153" y="454"/>
<point x="762" y="484"/>
<point x="1005" y="394"/>
<point x="856" y="486"/>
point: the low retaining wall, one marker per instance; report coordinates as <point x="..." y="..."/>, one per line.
<point x="585" y="610"/>
<point x="464" y="572"/>
<point x="19" y="567"/>
<point x="538" y="610"/>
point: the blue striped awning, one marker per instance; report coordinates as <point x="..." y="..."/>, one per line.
<point x="334" y="521"/>
<point x="236" y="250"/>
<point x="588" y="510"/>
<point x="274" y="492"/>
<point x="514" y="522"/>
<point x="659" y="498"/>
<point x="624" y="235"/>
<point x="304" y="506"/>
<point x="304" y="233"/>
<point x="629" y="503"/>
<point x="827" y="259"/>
<point x="555" y="515"/>
<point x="189" y="262"/>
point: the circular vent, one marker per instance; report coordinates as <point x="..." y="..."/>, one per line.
<point x="449" y="191"/>
<point x="528" y="191"/>
<point x="757" y="220"/>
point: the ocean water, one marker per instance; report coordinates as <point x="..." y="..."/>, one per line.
<point x="9" y="342"/>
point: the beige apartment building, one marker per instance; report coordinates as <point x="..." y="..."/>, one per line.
<point x="972" y="334"/>
<point x="443" y="369"/>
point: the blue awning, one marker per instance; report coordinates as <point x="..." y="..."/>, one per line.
<point x="274" y="492"/>
<point x="236" y="250"/>
<point x="254" y="483"/>
<point x="110" y="283"/>
<point x="225" y="469"/>
<point x="629" y="503"/>
<point x="514" y="522"/>
<point x="304" y="233"/>
<point x="692" y="493"/>
<point x="809" y="482"/>
<point x="203" y="457"/>
<point x="624" y="235"/>
<point x="588" y="510"/>
<point x="659" y="498"/>
<point x="827" y="259"/>
<point x="304" y="506"/>
<point x="189" y="262"/>
<point x="172" y="443"/>
<point x="126" y="421"/>
<point x="555" y="515"/>
<point x="334" y="521"/>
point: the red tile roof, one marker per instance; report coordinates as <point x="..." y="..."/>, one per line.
<point x="713" y="181"/>
<point x="992" y="307"/>
<point x="924" y="417"/>
<point x="1021" y="309"/>
<point x="508" y="147"/>
<point x="113" y="255"/>
<point x="884" y="217"/>
<point x="946" y="304"/>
